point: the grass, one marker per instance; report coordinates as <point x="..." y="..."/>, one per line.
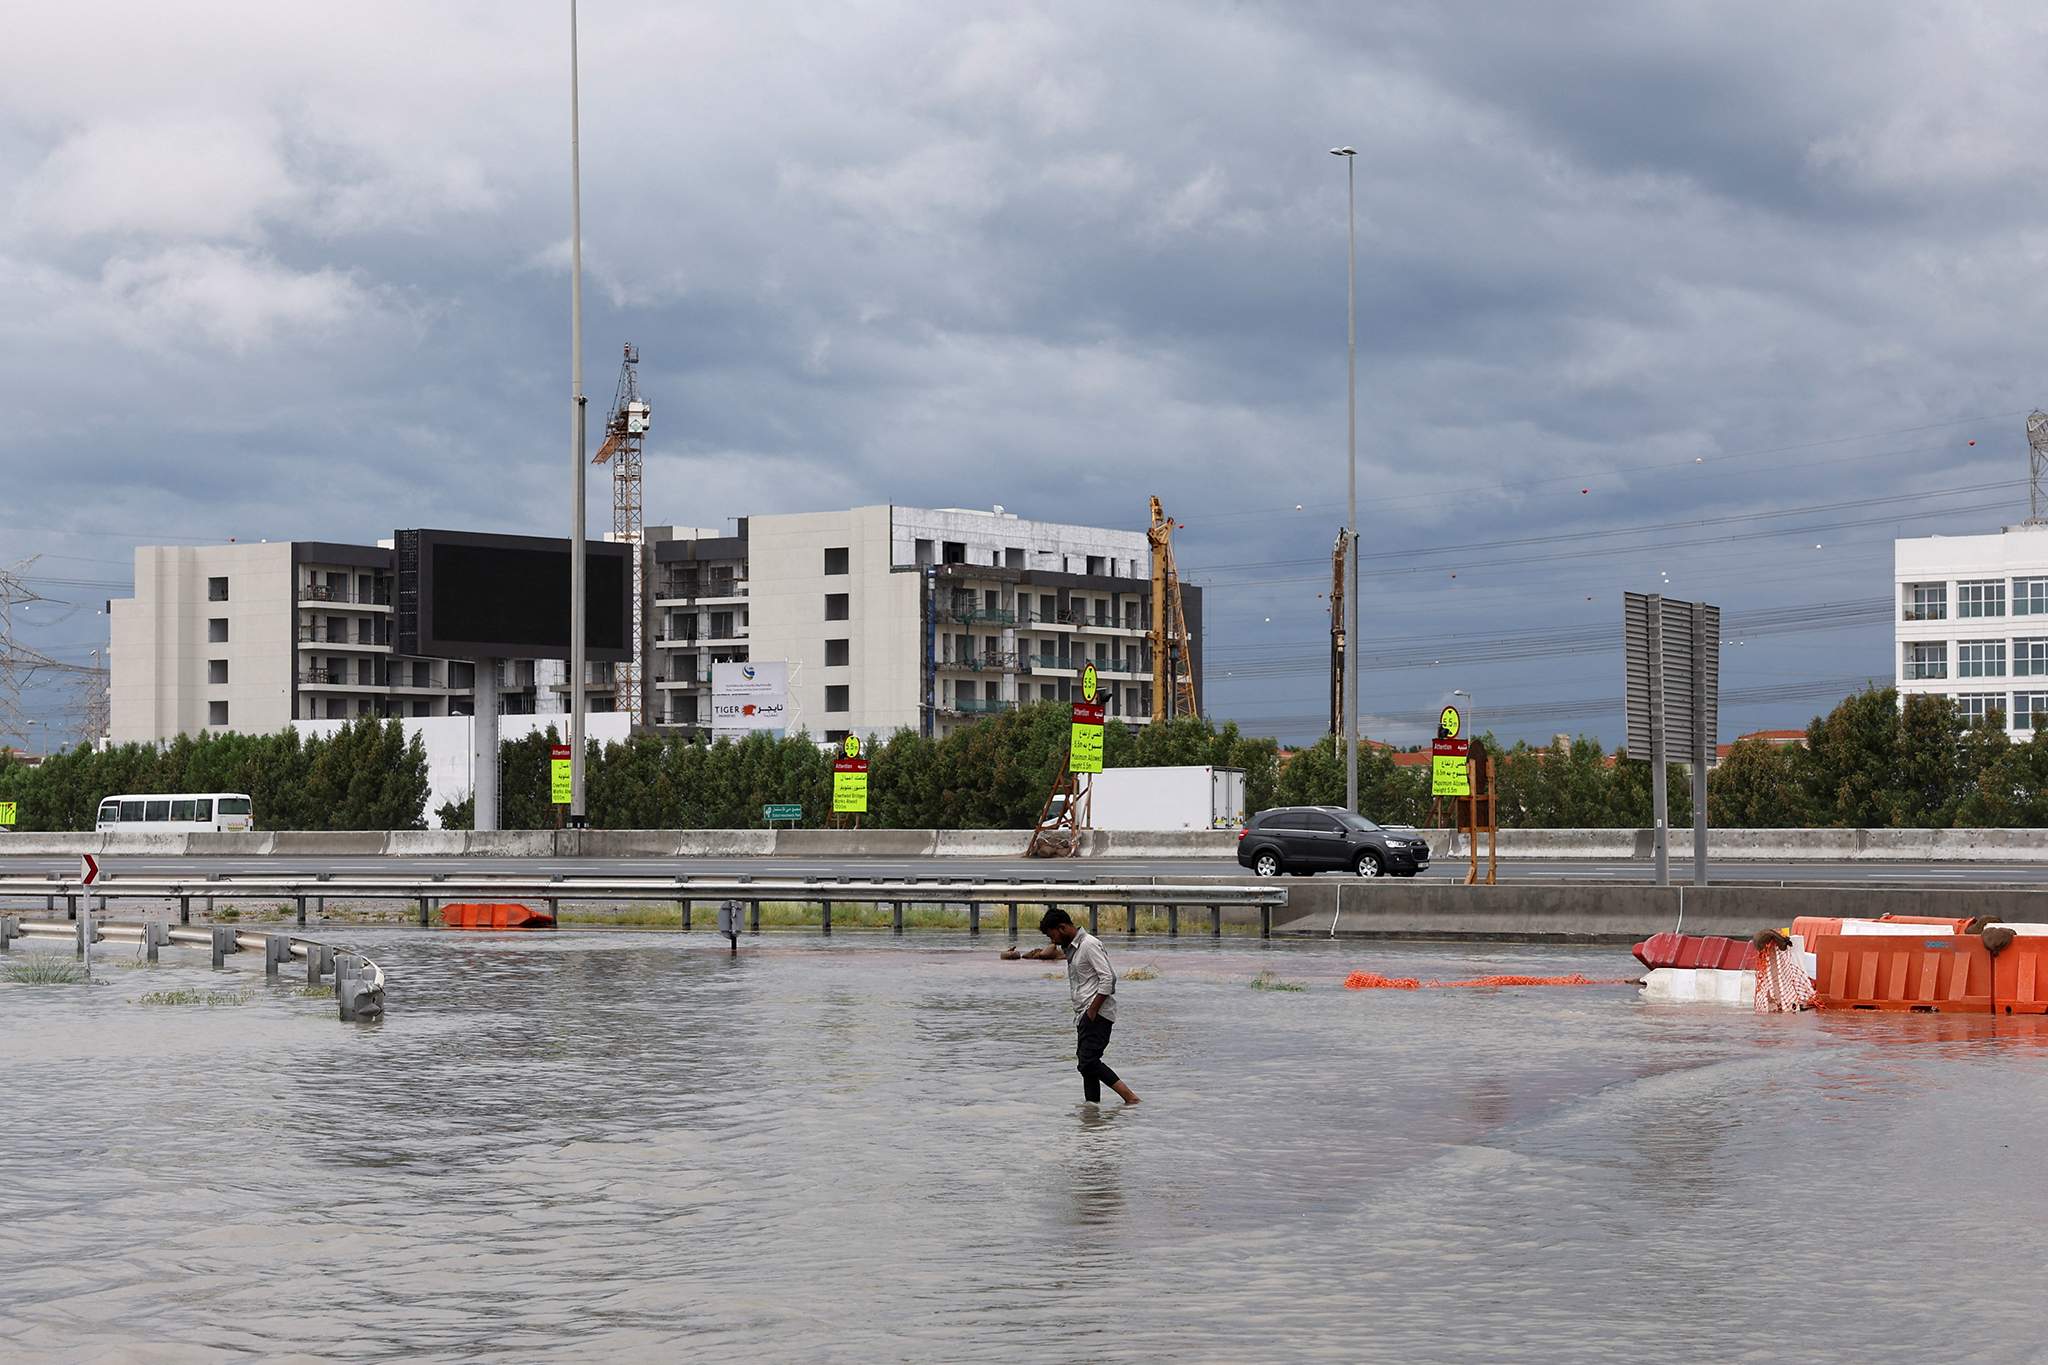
<point x="1148" y="972"/>
<point x="866" y="915"/>
<point x="1266" y="981"/>
<point x="210" y="999"/>
<point x="228" y="915"/>
<point x="44" y="969"/>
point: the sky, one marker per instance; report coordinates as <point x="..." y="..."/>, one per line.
<point x="1708" y="299"/>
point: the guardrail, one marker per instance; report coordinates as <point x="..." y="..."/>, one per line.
<point x="428" y="892"/>
<point x="358" y="981"/>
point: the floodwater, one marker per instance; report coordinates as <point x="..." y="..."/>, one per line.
<point x="618" y="1147"/>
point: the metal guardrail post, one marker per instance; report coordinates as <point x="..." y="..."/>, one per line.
<point x="319" y="962"/>
<point x="827" y="921"/>
<point x="70" y="905"/>
<point x="301" y="903"/>
<point x="1215" y="921"/>
<point x="424" y="921"/>
<point x="1173" y="921"/>
<point x="184" y="909"/>
<point x="1013" y="921"/>
<point x="1094" y="919"/>
<point x="1265" y="921"/>
<point x="154" y="937"/>
<point x="277" y="948"/>
<point x="686" y="914"/>
<point x="753" y="917"/>
<point x="10" y="930"/>
<point x="224" y="943"/>
<point x="973" y="918"/>
<point x="896" y="917"/>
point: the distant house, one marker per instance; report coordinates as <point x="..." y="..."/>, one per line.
<point x="1777" y="739"/>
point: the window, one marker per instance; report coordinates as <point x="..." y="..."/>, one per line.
<point x="838" y="653"/>
<point x="1926" y="661"/>
<point x="181" y="810"/>
<point x="1927" y="602"/>
<point x="234" y="805"/>
<point x="1980" y="659"/>
<point x="1045" y="691"/>
<point x="216" y="590"/>
<point x="838" y="606"/>
<point x="1013" y="558"/>
<point x="837" y="697"/>
<point x="835" y="559"/>
<point x="836" y="736"/>
<point x="159" y="812"/>
<point x="202" y="808"/>
<point x="216" y="670"/>
<point x="1095" y="565"/>
<point x="953" y="552"/>
<point x="721" y="625"/>
<point x="110" y="812"/>
<point x="2029" y="711"/>
<point x="216" y="713"/>
<point x="131" y="810"/>
<point x="217" y="630"/>
<point x="924" y="553"/>
<point x="2030" y="658"/>
<point x="2030" y="597"/>
<point x="1981" y="597"/>
<point x="1975" y="707"/>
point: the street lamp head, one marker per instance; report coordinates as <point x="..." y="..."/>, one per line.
<point x="1343" y="151"/>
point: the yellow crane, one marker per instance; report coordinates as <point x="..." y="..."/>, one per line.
<point x="1173" y="671"/>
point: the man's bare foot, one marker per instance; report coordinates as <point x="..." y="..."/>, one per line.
<point x="1124" y="1093"/>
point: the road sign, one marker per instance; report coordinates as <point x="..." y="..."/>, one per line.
<point x="853" y="746"/>
<point x="1450" y="772"/>
<point x="1084" y="738"/>
<point x="88" y="869"/>
<point x="772" y="814"/>
<point x="558" y="773"/>
<point x="1449" y="723"/>
<point x="1089" y="685"/>
<point x="849" y="786"/>
<point x="1673" y="652"/>
<point x="8" y="813"/>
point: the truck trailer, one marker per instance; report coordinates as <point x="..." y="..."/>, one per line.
<point x="1167" y="798"/>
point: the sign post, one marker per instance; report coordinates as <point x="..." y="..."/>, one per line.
<point x="850" y="781"/>
<point x="560" y="781"/>
<point x="1084" y="738"/>
<point x="1674" y="690"/>
<point x="777" y="814"/>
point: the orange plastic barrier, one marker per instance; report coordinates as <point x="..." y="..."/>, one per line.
<point x="494" y="915"/>
<point x="2020" y="977"/>
<point x="1811" y="927"/>
<point x="1941" y="973"/>
<point x="1373" y="981"/>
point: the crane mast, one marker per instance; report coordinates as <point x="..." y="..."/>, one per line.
<point x="624" y="432"/>
<point x="1173" y="674"/>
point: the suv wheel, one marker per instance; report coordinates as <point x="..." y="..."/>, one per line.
<point x="1266" y="864"/>
<point x="1368" y="864"/>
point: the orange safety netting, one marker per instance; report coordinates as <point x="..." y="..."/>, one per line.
<point x="1366" y="981"/>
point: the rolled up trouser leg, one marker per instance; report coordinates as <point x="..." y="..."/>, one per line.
<point x="1091" y="1041"/>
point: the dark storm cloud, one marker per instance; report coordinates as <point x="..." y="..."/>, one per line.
<point x="267" y="276"/>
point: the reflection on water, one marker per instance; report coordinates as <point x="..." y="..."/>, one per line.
<point x="627" y="1147"/>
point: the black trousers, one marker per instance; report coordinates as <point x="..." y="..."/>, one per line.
<point x="1093" y="1039"/>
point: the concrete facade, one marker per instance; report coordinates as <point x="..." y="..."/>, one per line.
<point x="1972" y="622"/>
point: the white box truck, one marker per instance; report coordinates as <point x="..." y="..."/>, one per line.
<point x="1167" y="798"/>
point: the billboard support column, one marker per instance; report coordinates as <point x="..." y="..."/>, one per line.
<point x="483" y="738"/>
<point x="1703" y="742"/>
<point x="1661" y="824"/>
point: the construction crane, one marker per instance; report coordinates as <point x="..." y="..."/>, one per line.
<point x="624" y="431"/>
<point x="1173" y="672"/>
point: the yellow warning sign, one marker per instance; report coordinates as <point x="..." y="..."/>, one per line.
<point x="1084" y="738"/>
<point x="560" y="783"/>
<point x="850" y="788"/>
<point x="853" y="746"/>
<point x="1088" y="684"/>
<point x="8" y="813"/>
<point x="1450" y="773"/>
<point x="1450" y="722"/>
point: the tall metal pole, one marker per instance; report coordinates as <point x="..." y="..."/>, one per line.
<point x="577" y="462"/>
<point x="1351" y="640"/>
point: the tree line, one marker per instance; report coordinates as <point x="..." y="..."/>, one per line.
<point x="366" y="775"/>
<point x="1868" y="763"/>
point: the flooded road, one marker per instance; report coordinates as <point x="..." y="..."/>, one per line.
<point x="615" y="1146"/>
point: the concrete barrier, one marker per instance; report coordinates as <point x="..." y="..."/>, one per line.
<point x="725" y="843"/>
<point x="615" y="843"/>
<point x="1171" y="843"/>
<point x="980" y="843"/>
<point x="244" y="845"/>
<point x="430" y="843"/>
<point x="1538" y="912"/>
<point x="332" y="843"/>
<point x="505" y="843"/>
<point x="855" y="843"/>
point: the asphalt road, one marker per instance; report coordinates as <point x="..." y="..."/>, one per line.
<point x="1026" y="869"/>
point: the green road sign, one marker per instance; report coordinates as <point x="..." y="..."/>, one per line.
<point x="773" y="813"/>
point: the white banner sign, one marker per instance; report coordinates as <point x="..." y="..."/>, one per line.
<point x="748" y="697"/>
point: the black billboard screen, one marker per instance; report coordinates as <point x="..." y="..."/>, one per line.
<point x="468" y="595"/>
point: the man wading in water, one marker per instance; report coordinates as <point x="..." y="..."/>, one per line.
<point x="1093" y="982"/>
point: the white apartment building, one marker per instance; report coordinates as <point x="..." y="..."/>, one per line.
<point x="1973" y="622"/>
<point x="919" y="618"/>
<point x="904" y="617"/>
<point x="253" y="637"/>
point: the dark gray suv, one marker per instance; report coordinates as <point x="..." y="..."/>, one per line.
<point x="1305" y="839"/>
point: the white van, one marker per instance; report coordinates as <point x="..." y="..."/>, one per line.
<point x="176" y="813"/>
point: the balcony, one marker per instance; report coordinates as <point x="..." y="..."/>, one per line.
<point x="320" y="635"/>
<point x="977" y="706"/>
<point x="977" y="616"/>
<point x="344" y="597"/>
<point x="982" y="663"/>
<point x="702" y="590"/>
<point x="1924" y="613"/>
<point x="1925" y="672"/>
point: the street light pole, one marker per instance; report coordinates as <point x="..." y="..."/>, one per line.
<point x="1351" y="640"/>
<point x="577" y="625"/>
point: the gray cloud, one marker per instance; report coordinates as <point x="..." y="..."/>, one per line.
<point x="266" y="272"/>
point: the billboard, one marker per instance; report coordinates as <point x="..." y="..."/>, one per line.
<point x="470" y="595"/>
<point x="746" y="697"/>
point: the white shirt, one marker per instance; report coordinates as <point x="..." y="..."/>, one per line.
<point x="1089" y="974"/>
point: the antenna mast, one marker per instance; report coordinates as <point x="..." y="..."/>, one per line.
<point x="2037" y="463"/>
